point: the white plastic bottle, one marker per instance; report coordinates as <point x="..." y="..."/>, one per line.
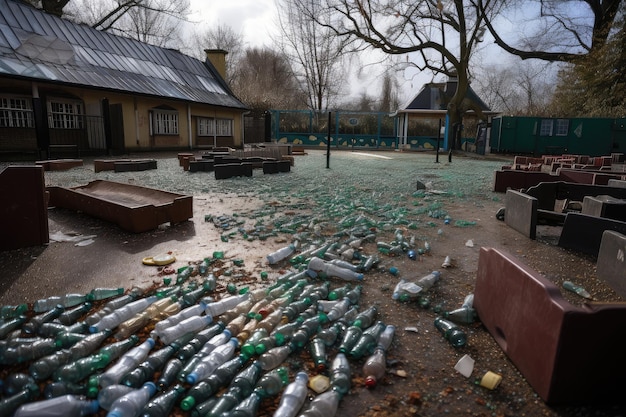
<point x="194" y="310"/>
<point x="324" y="405"/>
<point x="320" y="266"/>
<point x="131" y="404"/>
<point x="191" y="324"/>
<point x="282" y="253"/>
<point x="113" y="319"/>
<point x="216" y="308"/>
<point x="212" y="361"/>
<point x="292" y="399"/>
<point x="108" y="395"/>
<point x="126" y="363"/>
<point x="65" y="405"/>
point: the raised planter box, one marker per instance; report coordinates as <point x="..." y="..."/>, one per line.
<point x="133" y="208"/>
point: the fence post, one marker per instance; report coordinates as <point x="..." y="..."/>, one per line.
<point x="330" y="118"/>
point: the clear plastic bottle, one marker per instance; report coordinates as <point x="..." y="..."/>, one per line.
<point x="12" y="311"/>
<point x="57" y="389"/>
<point x="126" y="363"/>
<point x="88" y="345"/>
<point x="386" y="337"/>
<point x="350" y="337"/>
<point x="466" y="314"/>
<point x="140" y="320"/>
<point x="131" y="404"/>
<point x="170" y="371"/>
<point x="339" y="309"/>
<point x="226" y="402"/>
<point x="9" y="325"/>
<point x="146" y="370"/>
<point x="108" y="395"/>
<point x="192" y="324"/>
<point x="28" y="351"/>
<point x="282" y="253"/>
<point x="117" y="349"/>
<point x="323" y="405"/>
<point x="163" y="404"/>
<point x="317" y="349"/>
<point x="320" y="267"/>
<point x="293" y="397"/>
<point x="274" y="357"/>
<point x="219" y="307"/>
<point x="247" y="379"/>
<point x="241" y="308"/>
<point x="375" y="367"/>
<point x="67" y="300"/>
<point x="117" y="316"/>
<point x="248" y="348"/>
<point x="340" y="374"/>
<point x="427" y="281"/>
<point x="16" y="382"/>
<point x="81" y="368"/>
<point x="405" y="290"/>
<point x="98" y="294"/>
<point x="66" y="406"/>
<point x="197" y="342"/>
<point x="186" y="313"/>
<point x="368" y="340"/>
<point x="329" y="335"/>
<point x="209" y="363"/>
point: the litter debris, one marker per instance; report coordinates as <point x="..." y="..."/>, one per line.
<point x="70" y="237"/>
<point x="465" y="366"/>
<point x="159" y="260"/>
<point x="411" y="329"/>
<point x="490" y="380"/>
<point x="447" y="262"/>
<point x="469" y="243"/>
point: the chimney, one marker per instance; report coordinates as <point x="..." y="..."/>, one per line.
<point x="217" y="57"/>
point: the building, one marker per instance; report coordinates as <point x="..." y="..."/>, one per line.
<point x="68" y="87"/>
<point x="422" y="121"/>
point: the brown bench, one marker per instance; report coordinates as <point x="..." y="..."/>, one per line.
<point x="569" y="354"/>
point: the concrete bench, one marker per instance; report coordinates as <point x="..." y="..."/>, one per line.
<point x="547" y="193"/>
<point x="521" y="213"/>
<point x="611" y="266"/>
<point x="224" y="171"/>
<point x="205" y="165"/>
<point x="135" y="165"/>
<point x="59" y="164"/>
<point x="605" y="206"/>
<point x="583" y="233"/>
<point x="569" y="354"/>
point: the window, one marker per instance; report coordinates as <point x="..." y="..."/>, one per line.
<point x="206" y="127"/>
<point x="224" y="127"/>
<point x="15" y="112"/>
<point x="562" y="126"/>
<point x="164" y="122"/>
<point x="65" y="114"/>
<point x="546" y="128"/>
<point x="215" y="127"/>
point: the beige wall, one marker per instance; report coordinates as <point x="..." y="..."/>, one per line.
<point x="136" y="114"/>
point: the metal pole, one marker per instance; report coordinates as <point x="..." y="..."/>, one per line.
<point x="328" y="141"/>
<point x="438" y="140"/>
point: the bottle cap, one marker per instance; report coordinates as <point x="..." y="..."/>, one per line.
<point x="192" y="378"/>
<point x="188" y="403"/>
<point x="370" y="382"/>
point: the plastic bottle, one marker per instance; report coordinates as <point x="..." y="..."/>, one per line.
<point x="274" y="357"/>
<point x="340" y="374"/>
<point x="169" y="373"/>
<point x="323" y="405"/>
<point x="204" y="408"/>
<point x="339" y="309"/>
<point x="248" y="407"/>
<point x="192" y="324"/>
<point x="247" y="379"/>
<point x="9" y="404"/>
<point x="375" y="367"/>
<point x="321" y="267"/>
<point x="67" y="300"/>
<point x="32" y="325"/>
<point x="451" y="332"/>
<point x="163" y="404"/>
<point x="186" y="313"/>
<point x="386" y="337"/>
<point x="16" y="382"/>
<point x="66" y="406"/>
<point x="405" y="290"/>
<point x="98" y="294"/>
<point x="12" y="311"/>
<point x="272" y="382"/>
<point x="69" y="317"/>
<point x="466" y="314"/>
<point x="200" y="338"/>
<point x="241" y="308"/>
<point x="110" y="306"/>
<point x="81" y="368"/>
<point x="226" y="402"/>
<point x="218" y="307"/>
<point x="207" y="348"/>
<point x="367" y="341"/>
<point x="293" y="397"/>
<point x="108" y="395"/>
<point x="570" y="286"/>
<point x="282" y="253"/>
<point x="88" y="345"/>
<point x="146" y="370"/>
<point x="57" y="389"/>
<point x="126" y="363"/>
<point x="329" y="335"/>
<point x="131" y="404"/>
<point x="248" y="348"/>
<point x="214" y="359"/>
<point x="427" y="281"/>
<point x="8" y="326"/>
<point x="140" y="320"/>
<point x="117" y="349"/>
<point x="317" y="349"/>
<point x="350" y="337"/>
<point x="28" y="351"/>
<point x="117" y="316"/>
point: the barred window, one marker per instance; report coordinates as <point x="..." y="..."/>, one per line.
<point x="65" y="114"/>
<point x="562" y="126"/>
<point x="16" y="112"/>
<point x="206" y="127"/>
<point x="224" y="127"/>
<point x="164" y="122"/>
<point x="546" y="127"/>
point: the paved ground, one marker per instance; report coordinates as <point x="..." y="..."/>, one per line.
<point x="380" y="187"/>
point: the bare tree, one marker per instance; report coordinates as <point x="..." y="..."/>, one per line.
<point x="316" y="54"/>
<point x="556" y="30"/>
<point x="266" y="81"/>
<point x="156" y="22"/>
<point x="225" y="38"/>
<point x="441" y="35"/>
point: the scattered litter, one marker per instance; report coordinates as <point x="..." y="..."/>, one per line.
<point x="319" y="383"/>
<point x="70" y="237"/>
<point x="469" y="243"/>
<point x="411" y="329"/>
<point x="159" y="260"/>
<point x="447" y="262"/>
<point x="85" y="242"/>
<point x="399" y="372"/>
<point x="465" y="366"/>
<point x="490" y="380"/>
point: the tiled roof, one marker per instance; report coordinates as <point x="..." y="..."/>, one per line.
<point x="39" y="46"/>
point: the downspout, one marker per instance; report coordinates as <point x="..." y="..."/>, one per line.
<point x="189" y="126"/>
<point x="243" y="127"/>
